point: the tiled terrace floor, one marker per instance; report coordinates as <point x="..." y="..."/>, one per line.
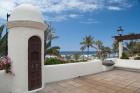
<point x="116" y="81"/>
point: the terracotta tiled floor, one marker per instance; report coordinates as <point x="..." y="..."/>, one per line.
<point x="116" y="81"/>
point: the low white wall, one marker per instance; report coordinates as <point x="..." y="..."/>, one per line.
<point x="5" y="82"/>
<point x="125" y="63"/>
<point x="58" y="72"/>
<point x="66" y="71"/>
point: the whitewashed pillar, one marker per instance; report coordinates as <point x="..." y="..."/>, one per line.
<point x="120" y="49"/>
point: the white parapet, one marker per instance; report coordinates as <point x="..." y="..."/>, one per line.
<point x="127" y="63"/>
<point x="71" y="70"/>
<point x="53" y="73"/>
<point x="5" y="82"/>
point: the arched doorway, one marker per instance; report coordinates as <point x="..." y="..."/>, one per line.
<point x="34" y="63"/>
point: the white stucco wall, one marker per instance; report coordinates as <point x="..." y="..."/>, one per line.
<point x="5" y="82"/>
<point x="125" y="63"/>
<point x="52" y="73"/>
<point x="18" y="52"/>
<point x="120" y="49"/>
<point x="66" y="71"/>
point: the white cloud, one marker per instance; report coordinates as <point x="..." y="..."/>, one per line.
<point x="90" y="21"/>
<point x="114" y="8"/>
<point x="59" y="18"/>
<point x="60" y="6"/>
<point x="86" y="22"/>
<point x="119" y="4"/>
<point x="74" y="15"/>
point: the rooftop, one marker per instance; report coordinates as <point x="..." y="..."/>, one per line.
<point x="115" y="81"/>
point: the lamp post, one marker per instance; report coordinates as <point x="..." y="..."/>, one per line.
<point x="120" y="30"/>
<point x="8" y="15"/>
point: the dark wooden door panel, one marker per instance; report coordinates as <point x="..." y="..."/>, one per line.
<point x="34" y="63"/>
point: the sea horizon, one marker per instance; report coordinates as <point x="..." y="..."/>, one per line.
<point x="77" y="52"/>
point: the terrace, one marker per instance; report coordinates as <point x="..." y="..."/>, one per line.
<point x="115" y="81"/>
<point x="24" y="71"/>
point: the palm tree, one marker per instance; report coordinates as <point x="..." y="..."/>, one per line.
<point x="137" y="48"/>
<point x="82" y="49"/>
<point x="49" y="36"/>
<point x="3" y="42"/>
<point x="99" y="45"/>
<point x="130" y="47"/>
<point x="102" y="51"/>
<point x="107" y="50"/>
<point x="115" y="48"/>
<point x="53" y="51"/>
<point x="88" y="42"/>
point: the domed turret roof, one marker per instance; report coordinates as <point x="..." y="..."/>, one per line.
<point x="26" y="12"/>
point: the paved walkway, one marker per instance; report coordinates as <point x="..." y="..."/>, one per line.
<point x="116" y="81"/>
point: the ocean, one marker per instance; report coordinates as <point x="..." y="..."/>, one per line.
<point x="77" y="52"/>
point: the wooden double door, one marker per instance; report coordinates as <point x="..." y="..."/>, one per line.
<point x="34" y="63"/>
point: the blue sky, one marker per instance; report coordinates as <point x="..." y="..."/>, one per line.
<point x="74" y="19"/>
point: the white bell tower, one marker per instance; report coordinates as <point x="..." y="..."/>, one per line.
<point x="26" y="48"/>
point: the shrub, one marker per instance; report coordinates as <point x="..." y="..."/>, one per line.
<point x="124" y="56"/>
<point x="137" y="58"/>
<point x="51" y="61"/>
<point x="5" y="64"/>
<point x="1" y="66"/>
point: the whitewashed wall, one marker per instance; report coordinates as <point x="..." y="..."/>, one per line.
<point x="66" y="71"/>
<point x="125" y="63"/>
<point x="58" y="72"/>
<point x="5" y="82"/>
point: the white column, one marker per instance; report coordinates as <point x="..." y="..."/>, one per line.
<point x="120" y="49"/>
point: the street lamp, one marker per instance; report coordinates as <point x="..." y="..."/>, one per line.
<point x="8" y="15"/>
<point x="120" y="30"/>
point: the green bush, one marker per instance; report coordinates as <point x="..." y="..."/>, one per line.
<point x="51" y="61"/>
<point x="124" y="56"/>
<point x="137" y="58"/>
